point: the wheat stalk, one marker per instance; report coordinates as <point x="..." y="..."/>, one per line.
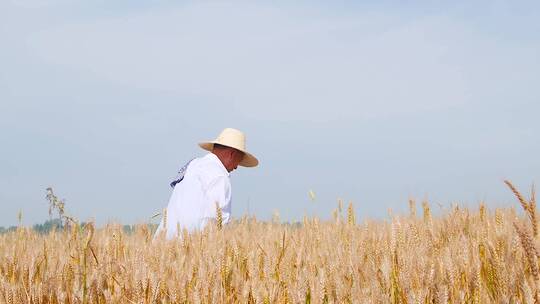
<point x="529" y="207"/>
<point x="531" y="254"/>
<point x="350" y="214"/>
<point x="219" y="217"/>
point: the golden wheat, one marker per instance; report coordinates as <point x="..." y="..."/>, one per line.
<point x="461" y="256"/>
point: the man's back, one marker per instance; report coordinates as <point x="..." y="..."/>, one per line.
<point x="193" y="201"/>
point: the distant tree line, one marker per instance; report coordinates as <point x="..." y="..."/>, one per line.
<point x="4" y="230"/>
<point x="46" y="227"/>
<point x="57" y="206"/>
<point x="57" y="225"/>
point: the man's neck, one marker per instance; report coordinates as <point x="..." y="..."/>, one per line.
<point x="219" y="157"/>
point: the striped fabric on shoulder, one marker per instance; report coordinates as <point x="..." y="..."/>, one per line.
<point x="181" y="172"/>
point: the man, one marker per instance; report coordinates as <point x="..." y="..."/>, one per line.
<point x="204" y="182"/>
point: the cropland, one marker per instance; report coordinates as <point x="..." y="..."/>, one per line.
<point x="464" y="255"/>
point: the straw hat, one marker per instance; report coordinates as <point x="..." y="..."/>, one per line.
<point x="235" y="139"/>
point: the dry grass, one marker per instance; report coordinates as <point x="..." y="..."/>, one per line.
<point x="463" y="256"/>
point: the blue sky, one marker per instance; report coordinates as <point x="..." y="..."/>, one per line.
<point x="372" y="102"/>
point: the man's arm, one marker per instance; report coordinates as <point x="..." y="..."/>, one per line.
<point x="218" y="193"/>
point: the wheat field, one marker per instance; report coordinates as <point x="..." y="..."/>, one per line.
<point x="460" y="256"/>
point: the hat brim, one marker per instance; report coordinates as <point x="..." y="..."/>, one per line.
<point x="248" y="161"/>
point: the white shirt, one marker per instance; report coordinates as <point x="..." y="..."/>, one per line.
<point x="193" y="201"/>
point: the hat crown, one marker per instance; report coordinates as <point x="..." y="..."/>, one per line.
<point x="232" y="138"/>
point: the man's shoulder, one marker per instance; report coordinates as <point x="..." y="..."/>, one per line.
<point x="207" y="166"/>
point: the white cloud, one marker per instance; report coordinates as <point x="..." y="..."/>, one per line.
<point x="283" y="64"/>
<point x="37" y="3"/>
